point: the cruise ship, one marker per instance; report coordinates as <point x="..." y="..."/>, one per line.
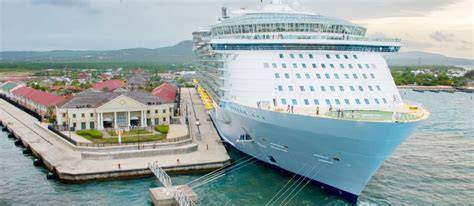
<point x="306" y="93"/>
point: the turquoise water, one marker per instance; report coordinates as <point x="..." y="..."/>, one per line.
<point x="434" y="166"/>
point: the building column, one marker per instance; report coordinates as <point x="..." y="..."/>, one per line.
<point x="145" y="119"/>
<point x="142" y="122"/>
<point x="101" y="120"/>
<point x="115" y="120"/>
<point x="128" y="119"/>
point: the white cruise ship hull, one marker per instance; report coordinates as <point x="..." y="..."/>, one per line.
<point x="340" y="155"/>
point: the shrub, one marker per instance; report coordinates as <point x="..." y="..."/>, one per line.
<point x="94" y="134"/>
<point x="162" y="128"/>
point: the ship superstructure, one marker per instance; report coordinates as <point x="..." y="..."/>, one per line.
<point x="307" y="93"/>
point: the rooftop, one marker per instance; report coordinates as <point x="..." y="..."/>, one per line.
<point x="92" y="98"/>
<point x="39" y="97"/>
<point x="166" y="91"/>
<point x="110" y="85"/>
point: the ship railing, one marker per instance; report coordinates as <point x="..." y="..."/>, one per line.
<point x="302" y="36"/>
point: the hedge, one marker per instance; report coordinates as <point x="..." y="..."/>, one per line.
<point x="94" y="134"/>
<point x="162" y="128"/>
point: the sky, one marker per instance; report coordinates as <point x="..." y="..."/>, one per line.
<point x="437" y="26"/>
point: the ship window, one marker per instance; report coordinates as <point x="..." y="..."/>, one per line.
<point x="327" y="76"/>
<point x="294" y="101"/>
<point x="357" y="101"/>
<point x="274" y="65"/>
<point x="347" y="101"/>
<point x="292" y="56"/>
<point x="283" y="101"/>
<point x="366" y="101"/>
<point x="336" y="76"/>
<point x="318" y="76"/>
<point x="372" y="75"/>
<point x="328" y="102"/>
<point x="355" y="76"/>
<point x="280" y="88"/>
<point x="384" y="100"/>
<point x="328" y="56"/>
<point x="361" y="88"/>
<point x="323" y="66"/>
<point x="303" y="65"/>
<point x="377" y="101"/>
<point x="311" y="88"/>
<point x="266" y="65"/>
<point x="283" y="65"/>
<point x="332" y="88"/>
<point x="298" y="75"/>
<point x="302" y="88"/>
<point x="277" y="76"/>
<point x="307" y="76"/>
<point x="367" y="66"/>
<point x="295" y="65"/>
<point x="316" y="101"/>
<point x="337" y="101"/>
<point x="282" y="56"/>
<point x="301" y="56"/>
<point x="341" y="88"/>
<point x="359" y="65"/>
<point x="290" y="88"/>
<point x="337" y="56"/>
<point x="378" y="87"/>
<point x="287" y="75"/>
<point x="364" y="75"/>
<point x="311" y="56"/>
<point x="332" y="66"/>
<point x="370" y="88"/>
<point x="346" y="57"/>
<point x="346" y="75"/>
<point x="314" y="66"/>
<point x="341" y="65"/>
<point x="350" y="66"/>
<point x="355" y="56"/>
<point x="306" y="101"/>
<point x="323" y="88"/>
<point x="352" y="88"/>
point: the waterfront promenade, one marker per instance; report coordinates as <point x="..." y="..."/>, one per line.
<point x="203" y="151"/>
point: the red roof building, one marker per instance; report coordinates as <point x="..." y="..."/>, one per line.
<point x="39" y="97"/>
<point x="167" y="92"/>
<point x="111" y="85"/>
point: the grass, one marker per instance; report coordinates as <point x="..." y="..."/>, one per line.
<point x="129" y="139"/>
<point x="131" y="132"/>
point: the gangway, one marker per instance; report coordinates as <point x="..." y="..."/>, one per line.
<point x="169" y="194"/>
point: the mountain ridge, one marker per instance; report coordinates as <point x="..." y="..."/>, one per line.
<point x="181" y="53"/>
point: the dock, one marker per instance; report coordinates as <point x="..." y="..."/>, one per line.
<point x="202" y="151"/>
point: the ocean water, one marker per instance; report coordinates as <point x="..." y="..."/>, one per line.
<point x="435" y="166"/>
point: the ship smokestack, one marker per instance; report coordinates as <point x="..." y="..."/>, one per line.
<point x="224" y="13"/>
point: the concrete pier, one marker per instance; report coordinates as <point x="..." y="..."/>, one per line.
<point x="202" y="152"/>
<point x="162" y="197"/>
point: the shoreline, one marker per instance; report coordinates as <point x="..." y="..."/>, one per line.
<point x="437" y="88"/>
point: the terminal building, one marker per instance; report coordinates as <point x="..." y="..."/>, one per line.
<point x="99" y="109"/>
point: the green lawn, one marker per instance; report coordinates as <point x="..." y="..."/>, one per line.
<point x="128" y="139"/>
<point x="131" y="132"/>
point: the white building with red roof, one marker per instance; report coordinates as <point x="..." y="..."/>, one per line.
<point x="37" y="100"/>
<point x="108" y="85"/>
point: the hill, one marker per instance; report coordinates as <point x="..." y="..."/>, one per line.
<point x="425" y="58"/>
<point x="177" y="54"/>
<point x="181" y="53"/>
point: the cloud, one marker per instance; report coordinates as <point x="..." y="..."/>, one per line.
<point x="62" y="3"/>
<point x="442" y="37"/>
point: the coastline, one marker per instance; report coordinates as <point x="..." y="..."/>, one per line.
<point x="437" y="88"/>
